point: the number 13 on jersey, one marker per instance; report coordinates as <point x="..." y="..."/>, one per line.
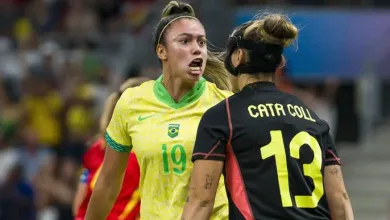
<point x="277" y="149"/>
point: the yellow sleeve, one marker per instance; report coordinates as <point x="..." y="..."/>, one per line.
<point x="117" y="135"/>
<point x="226" y="93"/>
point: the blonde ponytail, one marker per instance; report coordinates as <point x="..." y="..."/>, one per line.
<point x="215" y="72"/>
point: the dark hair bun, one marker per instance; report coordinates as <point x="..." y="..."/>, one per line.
<point x="175" y="7"/>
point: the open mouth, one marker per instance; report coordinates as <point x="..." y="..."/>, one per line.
<point x="196" y="64"/>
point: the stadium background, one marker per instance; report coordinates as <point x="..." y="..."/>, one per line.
<point x="59" y="59"/>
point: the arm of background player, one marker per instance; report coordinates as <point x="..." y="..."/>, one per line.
<point x="203" y="187"/>
<point x="111" y="175"/>
<point x="335" y="190"/>
<point x="107" y="185"/>
<point x="208" y="157"/>
<point x="81" y="192"/>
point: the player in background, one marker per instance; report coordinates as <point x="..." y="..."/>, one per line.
<point x="277" y="156"/>
<point x="158" y="121"/>
<point x="127" y="205"/>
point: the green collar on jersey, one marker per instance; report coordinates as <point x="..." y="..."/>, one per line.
<point x="194" y="94"/>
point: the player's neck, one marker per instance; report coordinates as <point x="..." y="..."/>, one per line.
<point x="245" y="79"/>
<point x="176" y="87"/>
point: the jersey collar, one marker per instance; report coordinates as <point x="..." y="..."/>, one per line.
<point x="261" y="86"/>
<point x="193" y="95"/>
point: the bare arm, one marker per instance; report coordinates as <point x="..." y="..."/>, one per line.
<point x="107" y="185"/>
<point x="203" y="186"/>
<point x="79" y="197"/>
<point x="336" y="193"/>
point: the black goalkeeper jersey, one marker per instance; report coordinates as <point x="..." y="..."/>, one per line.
<point x="275" y="150"/>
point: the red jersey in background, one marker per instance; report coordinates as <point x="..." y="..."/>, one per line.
<point x="127" y="205"/>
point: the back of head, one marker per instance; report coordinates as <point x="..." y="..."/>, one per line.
<point x="262" y="41"/>
<point x="272" y="29"/>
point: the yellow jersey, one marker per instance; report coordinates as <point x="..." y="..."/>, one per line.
<point x="162" y="134"/>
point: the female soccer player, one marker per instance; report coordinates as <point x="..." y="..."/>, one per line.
<point x="127" y="205"/>
<point x="279" y="159"/>
<point x="158" y="121"/>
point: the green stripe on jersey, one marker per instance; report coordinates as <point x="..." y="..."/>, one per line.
<point x="116" y="146"/>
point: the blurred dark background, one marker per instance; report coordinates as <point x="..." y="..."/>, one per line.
<point x="60" y="59"/>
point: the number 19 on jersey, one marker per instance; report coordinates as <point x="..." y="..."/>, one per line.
<point x="177" y="156"/>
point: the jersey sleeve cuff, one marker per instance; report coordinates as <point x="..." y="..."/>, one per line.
<point x="116" y="146"/>
<point x="331" y="158"/>
<point x="332" y="161"/>
<point x="203" y="156"/>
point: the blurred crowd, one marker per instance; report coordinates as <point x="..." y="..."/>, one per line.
<point x="54" y="78"/>
<point x="349" y="3"/>
<point x="58" y="63"/>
